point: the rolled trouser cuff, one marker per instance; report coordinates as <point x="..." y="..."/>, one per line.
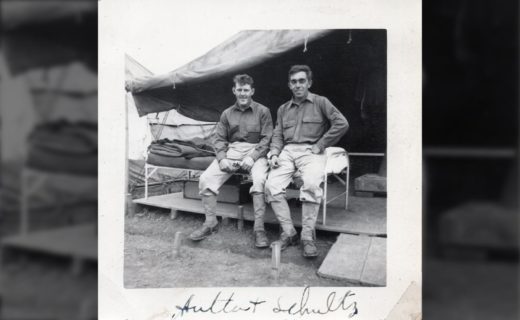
<point x="207" y="192"/>
<point x="314" y="195"/>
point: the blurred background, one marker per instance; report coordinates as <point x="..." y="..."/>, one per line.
<point x="470" y="164"/>
<point x="48" y="118"/>
<point x="48" y="95"/>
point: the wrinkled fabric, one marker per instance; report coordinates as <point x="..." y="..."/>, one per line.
<point x="314" y="121"/>
<point x="209" y="202"/>
<point x="251" y="125"/>
<point x="19" y="13"/>
<point x="197" y="163"/>
<point x="246" y="48"/>
<point x="67" y="163"/>
<point x="180" y="89"/>
<point x="283" y="214"/>
<point x="174" y="118"/>
<point x="183" y="133"/>
<point x="184" y="149"/>
<point x="259" y="206"/>
<point x="309" y="216"/>
<point x="311" y="167"/>
<point x="66" y="138"/>
<point x="337" y="160"/>
<point x="213" y="178"/>
<point x="64" y="147"/>
<point x="207" y="95"/>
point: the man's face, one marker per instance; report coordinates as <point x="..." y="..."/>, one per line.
<point x="243" y="93"/>
<point x="299" y="84"/>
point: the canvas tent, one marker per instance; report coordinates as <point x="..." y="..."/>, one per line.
<point x="158" y="125"/>
<point x="49" y="81"/>
<point x="155" y="126"/>
<point x="17" y="14"/>
<point x="139" y="136"/>
<point x="349" y="68"/>
<point x="48" y="33"/>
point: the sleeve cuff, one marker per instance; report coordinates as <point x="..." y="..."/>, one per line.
<point x="221" y="155"/>
<point x="274" y="152"/>
<point x="255" y="155"/>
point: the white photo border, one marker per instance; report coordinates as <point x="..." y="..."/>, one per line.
<point x="183" y="19"/>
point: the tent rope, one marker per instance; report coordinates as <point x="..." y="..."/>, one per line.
<point x="305" y="42"/>
<point x="173" y="80"/>
<point x="156" y="137"/>
<point x="53" y="93"/>
<point x="165" y="117"/>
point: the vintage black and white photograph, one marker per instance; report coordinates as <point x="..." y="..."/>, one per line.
<point x="260" y="163"/>
<point x="258" y="160"/>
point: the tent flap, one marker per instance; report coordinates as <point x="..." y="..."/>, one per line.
<point x="245" y="49"/>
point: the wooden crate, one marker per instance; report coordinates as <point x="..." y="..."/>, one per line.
<point x="233" y="191"/>
<point x="371" y="183"/>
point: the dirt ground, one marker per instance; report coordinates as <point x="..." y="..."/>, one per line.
<point x="227" y="258"/>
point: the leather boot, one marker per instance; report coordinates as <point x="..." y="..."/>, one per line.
<point x="309" y="249"/>
<point x="309" y="216"/>
<point x="210" y="208"/>
<point x="283" y="214"/>
<point x="210" y="225"/>
<point x="261" y="239"/>
<point x="203" y="232"/>
<point x="286" y="240"/>
<point x="310" y="212"/>
<point x="259" y="231"/>
<point x="259" y="209"/>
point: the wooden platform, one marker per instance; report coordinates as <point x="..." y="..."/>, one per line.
<point x="358" y="259"/>
<point x="76" y="242"/>
<point x="364" y="216"/>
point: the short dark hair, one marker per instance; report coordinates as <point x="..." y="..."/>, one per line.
<point x="243" y="79"/>
<point x="301" y="67"/>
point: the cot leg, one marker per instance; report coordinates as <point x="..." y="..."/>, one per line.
<point x="325" y="201"/>
<point x="24" y="216"/>
<point x="346" y="187"/>
<point x="146" y="181"/>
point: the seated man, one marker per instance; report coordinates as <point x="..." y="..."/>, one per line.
<point x="305" y="126"/>
<point x="242" y="140"/>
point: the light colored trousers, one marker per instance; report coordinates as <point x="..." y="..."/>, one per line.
<point x="213" y="178"/>
<point x="297" y="158"/>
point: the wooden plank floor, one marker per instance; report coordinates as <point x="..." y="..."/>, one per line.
<point x="364" y="216"/>
<point x="75" y="241"/>
<point x="358" y="259"/>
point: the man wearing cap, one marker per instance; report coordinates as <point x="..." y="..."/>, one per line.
<point x="305" y="126"/>
<point x="241" y="143"/>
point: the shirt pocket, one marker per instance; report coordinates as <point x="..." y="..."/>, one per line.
<point x="253" y="133"/>
<point x="234" y="131"/>
<point x="312" y="127"/>
<point x="288" y="129"/>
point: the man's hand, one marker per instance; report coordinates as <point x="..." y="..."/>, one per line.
<point x="274" y="162"/>
<point x="316" y="149"/>
<point x="226" y="165"/>
<point x="247" y="163"/>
